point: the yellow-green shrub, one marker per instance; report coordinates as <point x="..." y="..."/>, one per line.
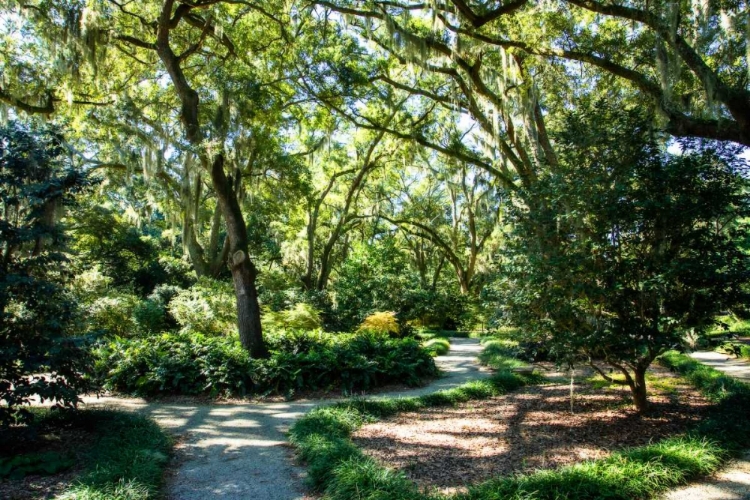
<point x="381" y="322"/>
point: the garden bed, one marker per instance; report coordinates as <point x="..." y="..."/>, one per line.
<point x="529" y="429"/>
<point x="341" y="470"/>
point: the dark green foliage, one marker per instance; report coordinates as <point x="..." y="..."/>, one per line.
<point x="131" y="449"/>
<point x="131" y="257"/>
<point x="37" y="358"/>
<point x="20" y="466"/>
<point x="123" y="459"/>
<point x="375" y="278"/>
<point x="196" y="364"/>
<point x="625" y="247"/>
<point x="174" y="363"/>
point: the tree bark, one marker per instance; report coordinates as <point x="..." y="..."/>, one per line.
<point x="243" y="270"/>
<point x="638" y="388"/>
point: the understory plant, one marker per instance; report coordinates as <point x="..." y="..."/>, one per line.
<point x="181" y="363"/>
<point x="124" y="459"/>
<point x="618" y="253"/>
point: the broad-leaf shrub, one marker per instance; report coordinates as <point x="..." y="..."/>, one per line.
<point x="180" y="363"/>
<point x="38" y="357"/>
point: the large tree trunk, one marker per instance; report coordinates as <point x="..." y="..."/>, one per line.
<point x="243" y="271"/>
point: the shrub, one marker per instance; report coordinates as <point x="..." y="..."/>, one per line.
<point x="113" y="314"/>
<point x="180" y="363"/>
<point x="209" y="307"/>
<point x="38" y="358"/>
<point x="300" y="317"/>
<point x="174" y="363"/>
<point x="437" y="346"/>
<point x="380" y="322"/>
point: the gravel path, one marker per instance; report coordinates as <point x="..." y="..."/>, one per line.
<point x="738" y="368"/>
<point x="238" y="451"/>
<point x="733" y="482"/>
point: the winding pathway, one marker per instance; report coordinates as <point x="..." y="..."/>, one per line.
<point x="238" y="451"/>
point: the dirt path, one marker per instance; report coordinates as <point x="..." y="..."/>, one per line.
<point x="238" y="451"/>
<point x="733" y="482"/>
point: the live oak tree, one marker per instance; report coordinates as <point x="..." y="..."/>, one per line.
<point x="689" y="60"/>
<point x="456" y="208"/>
<point x="183" y="49"/>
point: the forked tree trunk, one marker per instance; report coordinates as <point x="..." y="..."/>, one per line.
<point x="243" y="271"/>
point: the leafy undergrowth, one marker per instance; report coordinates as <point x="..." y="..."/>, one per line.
<point x="437" y="346"/>
<point x="339" y="469"/>
<point x="121" y="456"/>
<point x="197" y="364"/>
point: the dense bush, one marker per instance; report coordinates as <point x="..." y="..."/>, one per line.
<point x="301" y="316"/>
<point x="208" y="307"/>
<point x="180" y="363"/>
<point x="113" y="313"/>
<point x="380" y="322"/>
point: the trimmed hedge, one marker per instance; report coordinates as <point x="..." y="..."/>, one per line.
<point x="179" y="363"/>
<point x="340" y="470"/>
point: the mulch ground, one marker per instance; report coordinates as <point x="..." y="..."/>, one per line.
<point x="529" y="429"/>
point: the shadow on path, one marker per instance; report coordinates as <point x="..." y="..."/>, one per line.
<point x="237" y="451"/>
